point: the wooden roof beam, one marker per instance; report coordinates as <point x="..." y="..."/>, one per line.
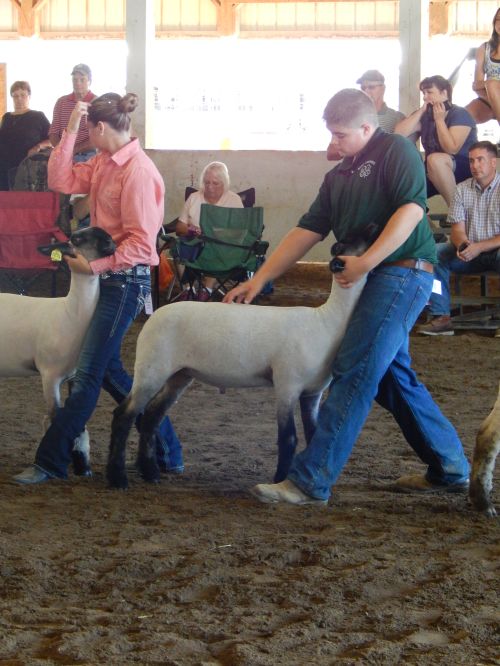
<point x="226" y="16"/>
<point x="268" y="2"/>
<point x="439" y="18"/>
<point x="28" y="16"/>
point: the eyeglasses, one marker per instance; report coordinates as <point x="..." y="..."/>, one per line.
<point x="370" y="86"/>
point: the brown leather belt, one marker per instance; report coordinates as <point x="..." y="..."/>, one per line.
<point x="420" y="264"/>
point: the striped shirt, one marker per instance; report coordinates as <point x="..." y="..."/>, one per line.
<point x="479" y="209"/>
<point x="388" y="118"/>
<point x="62" y="111"/>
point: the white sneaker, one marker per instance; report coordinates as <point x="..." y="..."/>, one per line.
<point x="286" y="491"/>
<point x="31" y="475"/>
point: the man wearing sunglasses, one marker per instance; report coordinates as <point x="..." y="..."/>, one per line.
<point x="372" y="82"/>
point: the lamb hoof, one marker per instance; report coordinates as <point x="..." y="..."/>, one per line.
<point x="490" y="511"/>
<point x="480" y="499"/>
<point x="81" y="466"/>
<point x="117" y="478"/>
<point x="149" y="471"/>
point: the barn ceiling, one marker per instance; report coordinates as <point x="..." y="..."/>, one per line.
<point x="91" y="19"/>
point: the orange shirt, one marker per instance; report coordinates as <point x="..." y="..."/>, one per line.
<point x="126" y="198"/>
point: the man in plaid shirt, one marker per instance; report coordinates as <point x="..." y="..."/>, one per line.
<point x="474" y="245"/>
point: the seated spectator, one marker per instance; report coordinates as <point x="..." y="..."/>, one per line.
<point x="23" y="132"/>
<point x="372" y="83"/>
<point x="475" y="234"/>
<point x="214" y="189"/>
<point x="486" y="82"/>
<point x="447" y="131"/>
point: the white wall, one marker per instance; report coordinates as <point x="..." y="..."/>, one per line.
<point x="286" y="184"/>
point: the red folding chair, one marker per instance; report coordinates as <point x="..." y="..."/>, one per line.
<point x="27" y="220"/>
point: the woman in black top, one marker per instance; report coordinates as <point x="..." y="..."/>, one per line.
<point x="23" y="132"/>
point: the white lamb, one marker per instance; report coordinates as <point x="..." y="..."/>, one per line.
<point x="483" y="462"/>
<point x="44" y="335"/>
<point x="236" y="346"/>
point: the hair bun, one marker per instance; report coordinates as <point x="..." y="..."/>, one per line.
<point x="128" y="103"/>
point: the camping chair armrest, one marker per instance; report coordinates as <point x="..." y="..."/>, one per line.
<point x="170" y="227"/>
<point x="260" y="248"/>
<point x="168" y="241"/>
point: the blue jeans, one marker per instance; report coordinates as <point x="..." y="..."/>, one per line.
<point x="85" y="156"/>
<point x="373" y="363"/>
<point x="121" y="299"/>
<point x="439" y="304"/>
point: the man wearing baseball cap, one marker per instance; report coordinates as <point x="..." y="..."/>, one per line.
<point x="82" y="77"/>
<point x="372" y="82"/>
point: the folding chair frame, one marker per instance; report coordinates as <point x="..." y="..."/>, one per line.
<point x="167" y="242"/>
<point x="191" y="253"/>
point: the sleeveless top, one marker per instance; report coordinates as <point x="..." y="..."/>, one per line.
<point x="491" y="66"/>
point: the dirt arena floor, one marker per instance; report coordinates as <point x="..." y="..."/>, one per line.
<point x="193" y="571"/>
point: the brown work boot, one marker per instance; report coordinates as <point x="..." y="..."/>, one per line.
<point x="418" y="483"/>
<point x="440" y="325"/>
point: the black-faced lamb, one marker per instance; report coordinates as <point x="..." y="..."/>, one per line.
<point x="44" y="335"/>
<point x="238" y="346"/>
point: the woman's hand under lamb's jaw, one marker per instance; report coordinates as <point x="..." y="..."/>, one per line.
<point x="78" y="264"/>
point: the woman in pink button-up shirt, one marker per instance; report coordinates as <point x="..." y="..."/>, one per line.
<point x="126" y="200"/>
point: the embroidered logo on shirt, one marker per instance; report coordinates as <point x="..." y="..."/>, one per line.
<point x="366" y="168"/>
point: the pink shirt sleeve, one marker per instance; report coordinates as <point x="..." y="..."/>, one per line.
<point x="63" y="175"/>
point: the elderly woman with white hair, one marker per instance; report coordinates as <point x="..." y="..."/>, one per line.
<point x="214" y="189"/>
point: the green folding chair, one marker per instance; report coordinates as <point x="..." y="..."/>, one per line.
<point x="229" y="249"/>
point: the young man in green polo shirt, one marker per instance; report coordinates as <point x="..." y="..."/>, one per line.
<point x="381" y="181"/>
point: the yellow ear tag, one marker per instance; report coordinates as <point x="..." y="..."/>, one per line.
<point x="56" y="255"/>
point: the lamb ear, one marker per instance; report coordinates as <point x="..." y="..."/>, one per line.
<point x="108" y="247"/>
<point x="64" y="248"/>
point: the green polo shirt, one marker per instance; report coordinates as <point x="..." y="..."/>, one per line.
<point x="368" y="188"/>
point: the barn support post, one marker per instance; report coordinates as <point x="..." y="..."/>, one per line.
<point x="413" y="37"/>
<point x="140" y="36"/>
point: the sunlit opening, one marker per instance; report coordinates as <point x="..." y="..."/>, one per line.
<point x="238" y="94"/>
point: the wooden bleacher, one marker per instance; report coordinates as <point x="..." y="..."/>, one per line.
<point x="475" y="298"/>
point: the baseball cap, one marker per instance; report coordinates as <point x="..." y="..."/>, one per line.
<point x="371" y="75"/>
<point x="82" y="69"/>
